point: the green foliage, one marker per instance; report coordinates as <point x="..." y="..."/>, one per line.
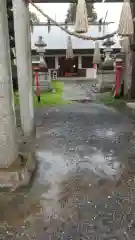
<point x="48" y="98"/>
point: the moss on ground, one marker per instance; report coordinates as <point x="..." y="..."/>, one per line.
<point x="48" y="98"/>
<point x="108" y="99"/>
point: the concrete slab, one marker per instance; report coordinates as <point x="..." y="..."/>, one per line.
<point x="79" y="90"/>
<point x="19" y="173"/>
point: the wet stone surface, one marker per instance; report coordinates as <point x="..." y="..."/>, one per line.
<point x="84" y="186"/>
<point x="80" y="90"/>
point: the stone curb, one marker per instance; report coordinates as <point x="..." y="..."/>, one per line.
<point x="18" y="175"/>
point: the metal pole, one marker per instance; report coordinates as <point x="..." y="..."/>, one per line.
<point x="37" y="86"/>
<point x="24" y="64"/>
<point x="8" y="146"/>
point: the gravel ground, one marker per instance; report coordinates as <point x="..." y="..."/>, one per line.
<point x="84" y="185"/>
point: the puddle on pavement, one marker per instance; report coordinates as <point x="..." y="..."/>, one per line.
<point x="105" y="133"/>
<point x="66" y="175"/>
<point x="69" y="174"/>
<point x="60" y="164"/>
<point x="62" y="180"/>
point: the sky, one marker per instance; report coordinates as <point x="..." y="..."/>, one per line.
<point x="58" y="11"/>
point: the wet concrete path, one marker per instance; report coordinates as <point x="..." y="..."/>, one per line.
<point x="79" y="90"/>
<point x="84" y="186"/>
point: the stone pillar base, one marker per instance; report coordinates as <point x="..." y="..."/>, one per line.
<point x="19" y="173"/>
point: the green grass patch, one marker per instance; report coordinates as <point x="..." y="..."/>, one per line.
<point x="108" y="99"/>
<point x="48" y="98"/>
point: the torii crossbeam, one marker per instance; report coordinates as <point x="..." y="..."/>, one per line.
<point x="70" y="1"/>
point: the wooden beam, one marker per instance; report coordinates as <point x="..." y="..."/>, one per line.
<point x="70" y="1"/>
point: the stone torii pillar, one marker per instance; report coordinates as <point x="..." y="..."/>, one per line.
<point x="24" y="64"/>
<point x="8" y="146"/>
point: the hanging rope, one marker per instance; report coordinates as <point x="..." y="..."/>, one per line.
<point x="69" y="32"/>
<point x="81" y="22"/>
<point x="126" y="27"/>
<point x="69" y="50"/>
<point x="97" y="55"/>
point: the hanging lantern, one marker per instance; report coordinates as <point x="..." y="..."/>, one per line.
<point x="125" y="27"/>
<point x="97" y="55"/>
<point x="81" y="24"/>
<point x="69" y="50"/>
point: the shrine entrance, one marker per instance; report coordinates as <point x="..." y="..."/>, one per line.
<point x="68" y="67"/>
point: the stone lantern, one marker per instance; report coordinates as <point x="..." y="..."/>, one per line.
<point x="40" y="48"/>
<point x="108" y="61"/>
<point x="44" y="76"/>
<point x="108" y="50"/>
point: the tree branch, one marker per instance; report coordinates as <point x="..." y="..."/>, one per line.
<point x="69" y="32"/>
